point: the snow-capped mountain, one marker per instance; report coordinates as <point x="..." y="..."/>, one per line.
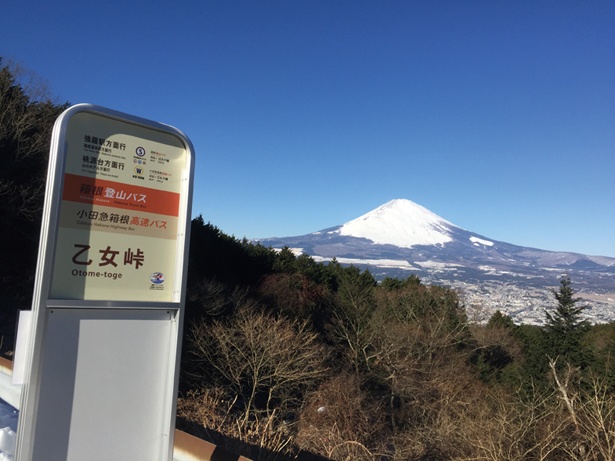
<point x="401" y="223"/>
<point x="401" y="238"/>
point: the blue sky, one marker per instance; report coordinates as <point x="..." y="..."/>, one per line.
<point x="498" y="116"/>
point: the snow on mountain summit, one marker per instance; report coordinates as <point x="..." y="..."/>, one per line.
<point x="402" y="223"/>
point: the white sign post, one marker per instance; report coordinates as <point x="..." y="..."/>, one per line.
<point x="102" y="363"/>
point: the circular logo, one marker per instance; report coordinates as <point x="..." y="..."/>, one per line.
<point x="140" y="151"/>
<point x="157" y="278"/>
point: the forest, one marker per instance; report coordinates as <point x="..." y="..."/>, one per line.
<point x="285" y="358"/>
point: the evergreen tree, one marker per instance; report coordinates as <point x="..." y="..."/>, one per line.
<point x="285" y="261"/>
<point x="27" y="115"/>
<point x="499" y="320"/>
<point x="392" y="283"/>
<point x="565" y="327"/>
<point x="26" y="119"/>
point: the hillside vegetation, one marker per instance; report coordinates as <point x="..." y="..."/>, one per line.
<point x="285" y="358"/>
<point x="298" y="358"/>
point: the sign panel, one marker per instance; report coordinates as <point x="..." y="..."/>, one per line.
<point x="107" y="311"/>
<point x="118" y="225"/>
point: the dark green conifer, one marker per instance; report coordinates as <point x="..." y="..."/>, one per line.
<point x="565" y="328"/>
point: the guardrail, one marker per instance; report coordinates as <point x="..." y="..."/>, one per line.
<point x="187" y="447"/>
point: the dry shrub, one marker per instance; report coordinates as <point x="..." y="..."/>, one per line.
<point x="498" y="427"/>
<point x="427" y="420"/>
<point x="262" y="365"/>
<point x="340" y="422"/>
<point x="293" y="294"/>
<point x="215" y="299"/>
<point x="567" y="422"/>
<point x="425" y="370"/>
<point x="266" y="362"/>
<point x="207" y="408"/>
<point x="590" y="409"/>
<point x="490" y="337"/>
<point x="597" y="420"/>
<point x="210" y="416"/>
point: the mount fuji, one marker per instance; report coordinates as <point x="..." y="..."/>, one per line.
<point x="401" y="238"/>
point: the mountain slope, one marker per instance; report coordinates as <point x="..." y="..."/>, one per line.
<point x="401" y="238"/>
<point x="401" y="223"/>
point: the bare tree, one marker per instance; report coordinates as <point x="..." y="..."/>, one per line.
<point x="353" y="307"/>
<point x="341" y="422"/>
<point x="597" y="420"/>
<point x="501" y="426"/>
<point x="590" y="408"/>
<point x="259" y="357"/>
<point x="214" y="298"/>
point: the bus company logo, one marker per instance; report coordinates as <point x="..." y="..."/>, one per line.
<point x="140" y="151"/>
<point x="139" y="170"/>
<point x="157" y="278"/>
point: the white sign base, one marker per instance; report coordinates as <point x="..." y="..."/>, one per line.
<point x="104" y="385"/>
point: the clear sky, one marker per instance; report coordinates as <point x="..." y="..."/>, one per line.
<point x="498" y="116"/>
